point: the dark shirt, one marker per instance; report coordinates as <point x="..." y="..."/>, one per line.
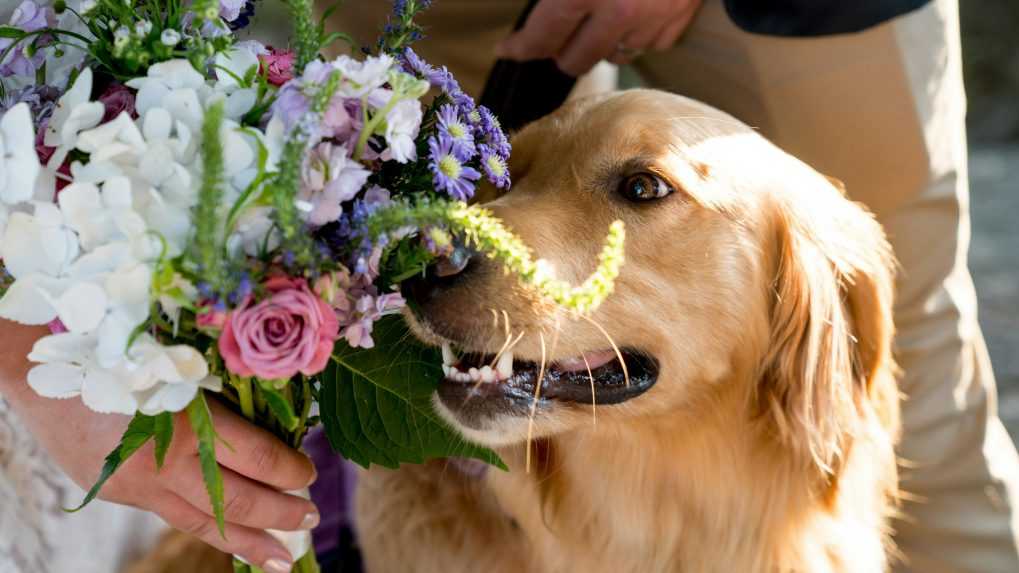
<point x="815" y="17"/>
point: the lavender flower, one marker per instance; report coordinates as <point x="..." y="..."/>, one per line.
<point x="230" y="10"/>
<point x="456" y="129"/>
<point x="495" y="167"/>
<point x="28" y="17"/>
<point x="449" y="172"/>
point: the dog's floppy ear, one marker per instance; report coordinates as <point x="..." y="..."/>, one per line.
<point x="829" y="360"/>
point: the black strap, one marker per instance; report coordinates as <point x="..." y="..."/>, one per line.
<point x="521" y="92"/>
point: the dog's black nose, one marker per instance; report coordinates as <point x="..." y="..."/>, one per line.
<point x="440" y="275"/>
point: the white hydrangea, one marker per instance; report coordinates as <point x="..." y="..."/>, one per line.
<point x="89" y="259"/>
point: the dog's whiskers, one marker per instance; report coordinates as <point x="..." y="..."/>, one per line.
<point x="534" y="404"/>
<point x="590" y="376"/>
<point x="619" y="354"/>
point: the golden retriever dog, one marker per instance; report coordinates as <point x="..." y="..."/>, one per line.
<point x="732" y="407"/>
<point x="749" y="420"/>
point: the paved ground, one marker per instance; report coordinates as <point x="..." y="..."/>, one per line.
<point x="994" y="260"/>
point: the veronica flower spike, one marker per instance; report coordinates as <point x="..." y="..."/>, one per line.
<point x="451" y="176"/>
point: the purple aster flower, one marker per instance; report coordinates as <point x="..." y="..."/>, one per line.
<point x="28" y="17"/>
<point x="495" y="167"/>
<point x="456" y="129"/>
<point x="489" y="132"/>
<point x="291" y="104"/>
<point x="449" y="172"/>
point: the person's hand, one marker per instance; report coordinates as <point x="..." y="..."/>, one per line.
<point x="580" y="33"/>
<point x="254" y="471"/>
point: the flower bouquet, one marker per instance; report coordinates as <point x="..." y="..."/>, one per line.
<point x="199" y="218"/>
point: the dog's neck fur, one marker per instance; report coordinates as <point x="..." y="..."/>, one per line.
<point x="666" y="490"/>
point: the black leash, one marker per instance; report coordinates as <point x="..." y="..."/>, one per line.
<point x="521" y="92"/>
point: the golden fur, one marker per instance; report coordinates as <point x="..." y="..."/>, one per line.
<point x="767" y="443"/>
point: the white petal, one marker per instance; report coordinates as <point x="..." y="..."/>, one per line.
<point x="95" y="171"/>
<point x="77" y="94"/>
<point x="106" y="392"/>
<point x="157" y="124"/>
<point x="184" y="105"/>
<point x="82" y="307"/>
<point x="130" y="285"/>
<point x="83" y="116"/>
<point x="117" y="193"/>
<point x="167" y="398"/>
<point x="239" y="103"/>
<point x="101" y="260"/>
<point x="237" y="154"/>
<point x="67" y="347"/>
<point x="20" y="167"/>
<point x="57" y="380"/>
<point x="25" y="301"/>
<point x="190" y="363"/>
<point x="113" y="335"/>
<point x="150" y="94"/>
<point x="235" y="62"/>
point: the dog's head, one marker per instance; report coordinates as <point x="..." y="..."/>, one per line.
<point x="747" y="275"/>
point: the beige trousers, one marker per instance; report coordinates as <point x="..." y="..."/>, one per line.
<point x="882" y="110"/>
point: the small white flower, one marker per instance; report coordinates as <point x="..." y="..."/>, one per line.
<point x="175" y="86"/>
<point x="170" y="37"/>
<point x="361" y="77"/>
<point x="402" y="125"/>
<point x="19" y="164"/>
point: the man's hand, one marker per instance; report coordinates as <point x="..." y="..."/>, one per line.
<point x="254" y="471"/>
<point x="580" y="33"/>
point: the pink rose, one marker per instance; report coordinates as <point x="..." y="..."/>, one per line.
<point x="291" y="331"/>
<point x="278" y="66"/>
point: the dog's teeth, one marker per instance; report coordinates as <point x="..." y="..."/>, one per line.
<point x="447" y="354"/>
<point x="505" y="366"/>
<point x="447" y="370"/>
<point x="487" y="374"/>
<point x="463" y="377"/>
<point x="475" y="374"/>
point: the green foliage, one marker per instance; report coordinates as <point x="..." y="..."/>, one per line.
<point x="139" y="430"/>
<point x="487" y="234"/>
<point x="376" y="403"/>
<point x="280" y="406"/>
<point x="307" y="37"/>
<point x="163" y="433"/>
<point x="201" y="425"/>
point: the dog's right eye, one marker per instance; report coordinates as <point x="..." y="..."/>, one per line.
<point x="643" y="187"/>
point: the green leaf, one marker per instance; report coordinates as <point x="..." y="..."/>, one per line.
<point x="11" y="32"/>
<point x="163" y="431"/>
<point x="376" y="404"/>
<point x="201" y="424"/>
<point x="138" y="431"/>
<point x="279" y="405"/>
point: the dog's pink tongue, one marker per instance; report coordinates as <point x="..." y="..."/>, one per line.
<point x="594" y="360"/>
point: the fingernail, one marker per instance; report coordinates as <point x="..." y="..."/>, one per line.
<point x="314" y="475"/>
<point x="277" y="566"/>
<point x="310" y="520"/>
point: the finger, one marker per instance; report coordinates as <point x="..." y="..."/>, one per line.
<point x="547" y="30"/>
<point x="259" y="455"/>
<point x="597" y="39"/>
<point x="637" y="41"/>
<point x="672" y="31"/>
<point x="246" y="502"/>
<point x="252" y="545"/>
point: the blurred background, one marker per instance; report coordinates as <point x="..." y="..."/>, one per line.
<point x="991" y="58"/>
<point x="990" y="45"/>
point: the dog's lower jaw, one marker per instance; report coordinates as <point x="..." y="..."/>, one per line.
<point x="657" y="497"/>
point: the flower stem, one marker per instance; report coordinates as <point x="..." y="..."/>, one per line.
<point x="244" y="394"/>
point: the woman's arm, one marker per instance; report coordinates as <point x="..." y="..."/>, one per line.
<point x="259" y="466"/>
